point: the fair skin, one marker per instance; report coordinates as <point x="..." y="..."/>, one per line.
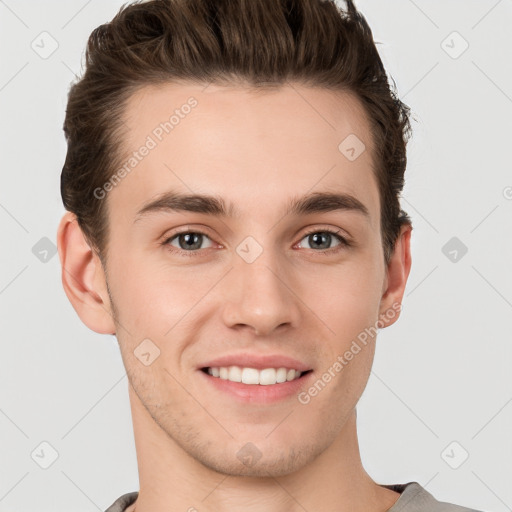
<point x="256" y="151"/>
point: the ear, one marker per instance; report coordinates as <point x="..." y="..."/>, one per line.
<point x="397" y="273"/>
<point x="83" y="277"/>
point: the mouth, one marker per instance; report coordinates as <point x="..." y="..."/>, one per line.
<point x="254" y="376"/>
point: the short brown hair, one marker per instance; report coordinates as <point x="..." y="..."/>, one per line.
<point x="260" y="43"/>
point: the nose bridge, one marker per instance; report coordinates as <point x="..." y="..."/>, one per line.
<point x="259" y="294"/>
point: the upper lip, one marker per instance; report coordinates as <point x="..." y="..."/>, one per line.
<point x="258" y="361"/>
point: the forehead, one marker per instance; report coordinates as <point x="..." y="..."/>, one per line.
<point x="255" y="148"/>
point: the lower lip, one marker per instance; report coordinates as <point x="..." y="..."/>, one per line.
<point x="258" y="393"/>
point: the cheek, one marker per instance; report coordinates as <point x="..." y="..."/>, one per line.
<point x="151" y="296"/>
<point x="346" y="297"/>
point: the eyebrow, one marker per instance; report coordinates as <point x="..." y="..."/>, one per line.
<point x="316" y="202"/>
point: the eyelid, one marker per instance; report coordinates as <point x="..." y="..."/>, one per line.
<point x="203" y="230"/>
<point x="328" y="229"/>
<point x="167" y="238"/>
<point x="345" y="241"/>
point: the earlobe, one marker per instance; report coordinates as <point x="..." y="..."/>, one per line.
<point x="397" y="273"/>
<point x="83" y="277"/>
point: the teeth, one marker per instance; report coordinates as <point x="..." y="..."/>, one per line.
<point x="265" y="377"/>
<point x="235" y="374"/>
<point x="250" y="376"/>
<point x="268" y="376"/>
<point x="281" y="375"/>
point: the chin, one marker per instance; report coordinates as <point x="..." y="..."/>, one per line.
<point x="249" y="461"/>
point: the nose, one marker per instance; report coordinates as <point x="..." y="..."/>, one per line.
<point x="260" y="296"/>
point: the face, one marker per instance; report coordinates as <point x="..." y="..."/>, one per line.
<point x="248" y="279"/>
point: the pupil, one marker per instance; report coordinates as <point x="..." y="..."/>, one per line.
<point x="189" y="240"/>
<point x="317" y="237"/>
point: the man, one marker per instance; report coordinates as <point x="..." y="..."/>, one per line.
<point x="211" y="146"/>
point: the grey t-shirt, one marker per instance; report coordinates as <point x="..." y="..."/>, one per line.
<point x="413" y="498"/>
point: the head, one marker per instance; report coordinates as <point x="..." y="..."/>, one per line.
<point x="255" y="104"/>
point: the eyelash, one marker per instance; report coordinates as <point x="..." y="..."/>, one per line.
<point x="344" y="243"/>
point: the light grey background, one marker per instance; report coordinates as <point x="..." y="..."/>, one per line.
<point x="441" y="373"/>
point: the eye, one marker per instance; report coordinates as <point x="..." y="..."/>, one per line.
<point x="323" y="239"/>
<point x="187" y="241"/>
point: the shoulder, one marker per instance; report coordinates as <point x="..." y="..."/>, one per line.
<point x="123" y="502"/>
<point x="414" y="498"/>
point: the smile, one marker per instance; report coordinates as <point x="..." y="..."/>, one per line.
<point x="253" y="376"/>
